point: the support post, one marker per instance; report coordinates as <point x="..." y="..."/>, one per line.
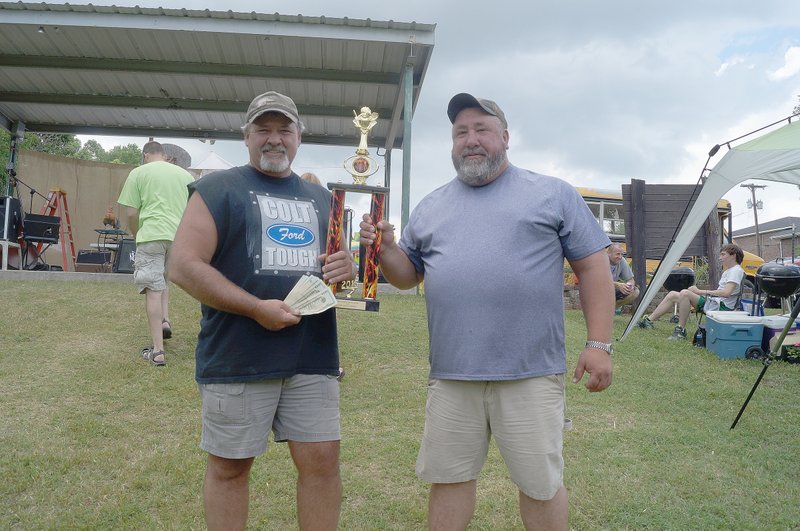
<point x="638" y="237"/>
<point x="711" y="234"/>
<point x="17" y="135"/>
<point x="408" y="86"/>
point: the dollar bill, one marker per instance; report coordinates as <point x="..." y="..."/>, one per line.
<point x="310" y="296"/>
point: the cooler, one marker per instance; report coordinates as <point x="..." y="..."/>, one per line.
<point x="731" y="337"/>
<point x="773" y="326"/>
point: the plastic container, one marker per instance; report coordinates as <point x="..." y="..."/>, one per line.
<point x="731" y="340"/>
<point x="733" y="317"/>
<point x="773" y="326"/>
<point x="747" y="306"/>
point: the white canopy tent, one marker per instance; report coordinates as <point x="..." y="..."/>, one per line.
<point x="774" y="156"/>
<point x="212" y="162"/>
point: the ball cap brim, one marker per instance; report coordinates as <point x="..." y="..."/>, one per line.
<point x="462" y="101"/>
<point x="272" y="102"/>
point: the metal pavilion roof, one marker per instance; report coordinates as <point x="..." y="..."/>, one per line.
<point x="133" y="71"/>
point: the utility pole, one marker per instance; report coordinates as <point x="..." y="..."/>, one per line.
<point x="752" y="188"/>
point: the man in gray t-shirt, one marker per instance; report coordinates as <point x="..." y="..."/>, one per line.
<point x="490" y="246"/>
<point x="625" y="290"/>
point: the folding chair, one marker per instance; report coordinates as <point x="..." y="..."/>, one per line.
<point x="699" y="336"/>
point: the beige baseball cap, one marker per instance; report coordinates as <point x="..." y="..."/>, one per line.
<point x="272" y="102"/>
<point x="462" y="101"/>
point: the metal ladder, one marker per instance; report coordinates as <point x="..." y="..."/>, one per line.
<point x="56" y="205"/>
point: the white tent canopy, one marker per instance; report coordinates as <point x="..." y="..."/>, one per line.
<point x="774" y="156"/>
<point x="212" y="162"/>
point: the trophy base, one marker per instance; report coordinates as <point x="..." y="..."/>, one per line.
<point x="365" y="305"/>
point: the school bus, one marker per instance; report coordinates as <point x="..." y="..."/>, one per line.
<point x="608" y="210"/>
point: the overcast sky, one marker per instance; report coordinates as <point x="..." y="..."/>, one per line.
<point x="596" y="93"/>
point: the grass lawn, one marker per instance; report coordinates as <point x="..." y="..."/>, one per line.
<point x="92" y="437"/>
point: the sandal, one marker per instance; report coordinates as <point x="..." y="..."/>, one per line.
<point x="166" y="328"/>
<point x="156" y="357"/>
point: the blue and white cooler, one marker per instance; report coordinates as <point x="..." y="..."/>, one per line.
<point x="732" y="335"/>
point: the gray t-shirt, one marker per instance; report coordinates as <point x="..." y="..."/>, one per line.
<point x="493" y="260"/>
<point x="621" y="271"/>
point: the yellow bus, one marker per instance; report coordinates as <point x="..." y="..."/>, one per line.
<point x="608" y="210"/>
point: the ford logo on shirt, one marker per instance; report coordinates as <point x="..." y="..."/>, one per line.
<point x="291" y="235"/>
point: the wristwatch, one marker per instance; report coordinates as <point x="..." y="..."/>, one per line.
<point x="608" y="347"/>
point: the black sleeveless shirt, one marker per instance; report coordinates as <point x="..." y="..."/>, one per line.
<point x="270" y="233"/>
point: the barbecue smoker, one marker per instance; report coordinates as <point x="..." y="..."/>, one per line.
<point x="778" y="280"/>
<point x="679" y="279"/>
<point x="782" y="281"/>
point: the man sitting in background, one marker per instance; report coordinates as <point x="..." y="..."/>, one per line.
<point x="625" y="289"/>
<point x="725" y="297"/>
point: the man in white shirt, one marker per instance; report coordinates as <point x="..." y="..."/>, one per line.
<point x="724" y="297"/>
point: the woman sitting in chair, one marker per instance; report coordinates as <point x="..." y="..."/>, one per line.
<point x="725" y="297"/>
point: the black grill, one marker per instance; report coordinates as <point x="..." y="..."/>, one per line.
<point x="679" y="278"/>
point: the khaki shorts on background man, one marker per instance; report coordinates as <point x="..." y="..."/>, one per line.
<point x="149" y="266"/>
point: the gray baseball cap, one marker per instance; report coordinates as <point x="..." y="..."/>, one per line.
<point x="272" y="102"/>
<point x="462" y="101"/>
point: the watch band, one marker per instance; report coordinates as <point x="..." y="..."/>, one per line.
<point x="608" y="347"/>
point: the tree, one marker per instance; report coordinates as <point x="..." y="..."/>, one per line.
<point x="130" y="154"/>
<point x="92" y="150"/>
<point x="67" y="145"/>
<point x="54" y="143"/>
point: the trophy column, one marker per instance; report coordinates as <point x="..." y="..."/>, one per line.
<point x="373" y="251"/>
<point x="335" y="222"/>
<point x="372" y="256"/>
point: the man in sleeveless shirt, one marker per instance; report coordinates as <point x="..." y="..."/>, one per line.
<point x="248" y="234"/>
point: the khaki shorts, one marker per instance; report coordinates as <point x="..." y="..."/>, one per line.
<point x="237" y="417"/>
<point x="526" y="418"/>
<point x="150" y="265"/>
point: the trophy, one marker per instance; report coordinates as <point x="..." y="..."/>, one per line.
<point x="360" y="166"/>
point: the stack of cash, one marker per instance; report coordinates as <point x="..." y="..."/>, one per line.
<point x="310" y="296"/>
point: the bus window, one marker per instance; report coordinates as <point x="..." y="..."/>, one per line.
<point x="609" y="215"/>
<point x="613" y="221"/>
<point x="595" y="208"/>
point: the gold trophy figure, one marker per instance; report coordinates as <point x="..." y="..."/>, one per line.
<point x="364" y="122"/>
<point x="361" y="165"/>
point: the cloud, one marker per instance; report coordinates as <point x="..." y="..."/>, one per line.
<point x="728" y="64"/>
<point x="791" y="65"/>
<point x="595" y="92"/>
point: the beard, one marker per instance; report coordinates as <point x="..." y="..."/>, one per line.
<point x="478" y="172"/>
<point x="274" y="166"/>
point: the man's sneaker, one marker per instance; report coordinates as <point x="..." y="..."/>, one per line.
<point x="646" y="323"/>
<point x="679" y="333"/>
